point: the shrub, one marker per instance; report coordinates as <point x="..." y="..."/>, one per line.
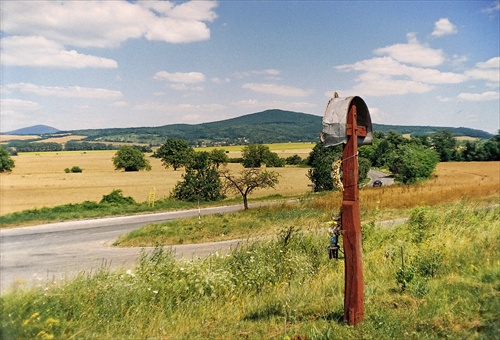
<point x="293" y="160"/>
<point x="76" y="169"/>
<point x="116" y="197"/>
<point x="6" y="162"/>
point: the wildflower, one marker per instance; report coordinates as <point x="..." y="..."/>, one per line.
<point x="33" y="316"/>
<point x="52" y="322"/>
<point x="129" y="272"/>
<point x="45" y="335"/>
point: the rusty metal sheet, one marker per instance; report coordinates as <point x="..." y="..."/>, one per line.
<point x="335" y="121"/>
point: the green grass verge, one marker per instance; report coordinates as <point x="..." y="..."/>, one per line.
<point x="285" y="287"/>
<point x="90" y="209"/>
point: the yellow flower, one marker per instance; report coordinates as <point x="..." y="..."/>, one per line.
<point x="52" y="322"/>
<point x="44" y="335"/>
<point x="33" y="316"/>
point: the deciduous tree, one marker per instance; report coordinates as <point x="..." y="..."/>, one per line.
<point x="411" y="162"/>
<point x="254" y="155"/>
<point x="249" y="180"/>
<point x="201" y="180"/>
<point x="445" y="144"/>
<point x="176" y="153"/>
<point x="6" y="162"/>
<point x="130" y="159"/>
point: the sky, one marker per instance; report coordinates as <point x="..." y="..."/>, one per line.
<point x="104" y="64"/>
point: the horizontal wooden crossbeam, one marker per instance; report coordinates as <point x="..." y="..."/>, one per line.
<point x="360" y="130"/>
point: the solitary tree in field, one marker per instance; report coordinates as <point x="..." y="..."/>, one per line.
<point x="201" y="180"/>
<point x="248" y="181"/>
<point x="176" y="153"/>
<point x="256" y="154"/>
<point x="130" y="159"/>
<point x="6" y="162"/>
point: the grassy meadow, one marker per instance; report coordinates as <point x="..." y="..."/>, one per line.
<point x="285" y="287"/>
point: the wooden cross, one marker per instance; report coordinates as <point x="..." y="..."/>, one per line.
<point x="351" y="224"/>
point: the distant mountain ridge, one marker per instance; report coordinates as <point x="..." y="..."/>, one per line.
<point x="34" y="130"/>
<point x="270" y="126"/>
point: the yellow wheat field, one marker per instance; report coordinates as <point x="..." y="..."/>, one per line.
<point x="38" y="180"/>
<point x="451" y="182"/>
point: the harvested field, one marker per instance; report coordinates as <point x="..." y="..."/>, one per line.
<point x="62" y="139"/>
<point x="8" y="138"/>
<point x="38" y="180"/>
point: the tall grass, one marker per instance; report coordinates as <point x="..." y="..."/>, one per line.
<point x="285" y="287"/>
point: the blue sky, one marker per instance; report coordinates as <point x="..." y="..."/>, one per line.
<point x="100" y="64"/>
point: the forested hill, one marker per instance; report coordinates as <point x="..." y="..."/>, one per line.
<point x="271" y="126"/>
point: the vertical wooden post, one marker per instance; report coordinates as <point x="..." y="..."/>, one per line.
<point x="351" y="225"/>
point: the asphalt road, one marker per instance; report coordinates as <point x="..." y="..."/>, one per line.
<point x="35" y="255"/>
<point x="31" y="256"/>
<point x="379" y="175"/>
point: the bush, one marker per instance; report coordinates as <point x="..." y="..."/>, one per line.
<point x="73" y="169"/>
<point x="293" y="160"/>
<point x="116" y="197"/>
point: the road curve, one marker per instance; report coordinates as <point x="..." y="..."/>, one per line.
<point x="35" y="255"/>
<point x="381" y="176"/>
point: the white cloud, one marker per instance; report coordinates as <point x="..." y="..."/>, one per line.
<point x="444" y="27"/>
<point x="65" y="92"/>
<point x="280" y="90"/>
<point x="177" y="31"/>
<point x="109" y="23"/>
<point x="413" y="53"/>
<point x="488" y="70"/>
<point x="195" y="10"/>
<point x="373" y="84"/>
<point x="493" y="8"/>
<point x="120" y="104"/>
<point x="253" y="104"/>
<point x="18" y="104"/>
<point x="220" y="81"/>
<point x="479" y="97"/>
<point x="268" y="72"/>
<point x="178" y="108"/>
<point x="444" y="99"/>
<point x="390" y="67"/>
<point x="179" y="77"/>
<point x="41" y="52"/>
<point x="39" y="33"/>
